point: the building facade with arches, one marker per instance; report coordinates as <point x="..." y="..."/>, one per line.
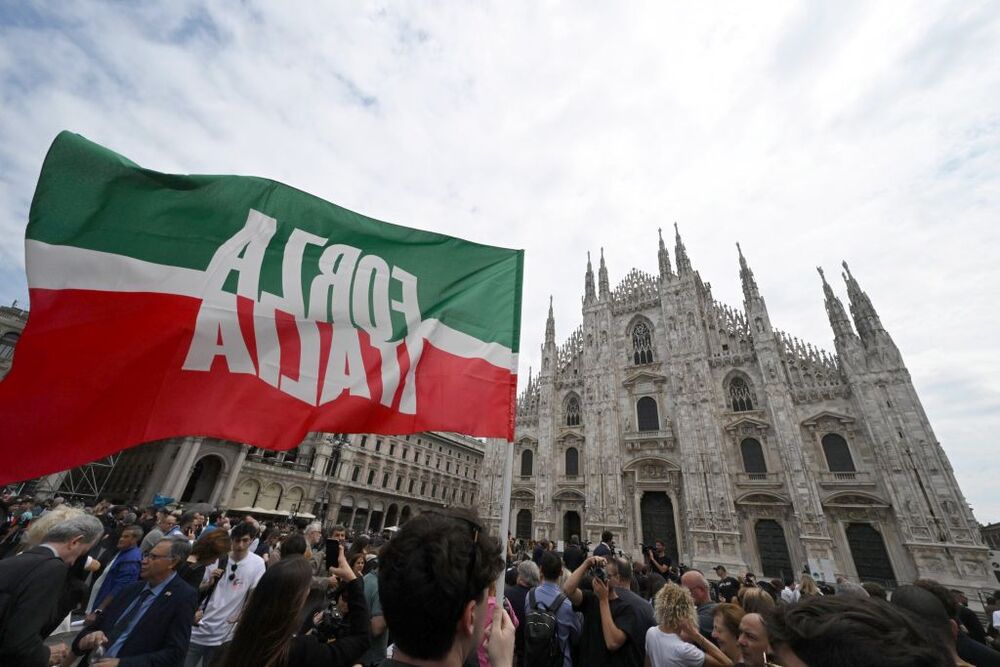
<point x="667" y="415"/>
<point x="364" y="481"/>
<point x="12" y="323"/>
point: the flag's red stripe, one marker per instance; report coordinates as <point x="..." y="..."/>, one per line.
<point x="106" y="375"/>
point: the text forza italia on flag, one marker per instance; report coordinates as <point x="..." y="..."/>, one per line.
<point x="349" y="288"/>
<point x="241" y="308"/>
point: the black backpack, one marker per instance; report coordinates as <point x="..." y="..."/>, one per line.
<point x="541" y="636"/>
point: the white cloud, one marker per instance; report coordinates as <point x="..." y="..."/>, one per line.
<point x="809" y="132"/>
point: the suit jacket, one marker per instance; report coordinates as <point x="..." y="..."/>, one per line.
<point x="124" y="571"/>
<point x="31" y="585"/>
<point x="161" y="637"/>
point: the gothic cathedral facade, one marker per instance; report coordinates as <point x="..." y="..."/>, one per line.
<point x="670" y="416"/>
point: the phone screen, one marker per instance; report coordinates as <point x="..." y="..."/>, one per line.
<point x="332" y="552"/>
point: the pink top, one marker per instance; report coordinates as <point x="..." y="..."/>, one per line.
<point x="491" y="604"/>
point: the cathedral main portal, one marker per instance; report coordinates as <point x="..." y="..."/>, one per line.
<point x="658" y="521"/>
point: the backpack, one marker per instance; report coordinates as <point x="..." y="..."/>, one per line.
<point x="541" y="636"/>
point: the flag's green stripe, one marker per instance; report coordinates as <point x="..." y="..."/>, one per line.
<point x="91" y="197"/>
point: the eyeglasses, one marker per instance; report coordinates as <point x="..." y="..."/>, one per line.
<point x="148" y="555"/>
<point x="232" y="571"/>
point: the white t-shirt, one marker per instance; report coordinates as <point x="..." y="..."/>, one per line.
<point x="665" y="649"/>
<point x="223" y="608"/>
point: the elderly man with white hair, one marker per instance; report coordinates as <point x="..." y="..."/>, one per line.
<point x="32" y="583"/>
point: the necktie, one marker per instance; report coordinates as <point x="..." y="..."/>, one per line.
<point x="126" y="618"/>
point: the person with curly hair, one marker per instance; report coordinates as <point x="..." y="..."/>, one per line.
<point x="675" y="641"/>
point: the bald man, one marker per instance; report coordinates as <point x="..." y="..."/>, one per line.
<point x="695" y="581"/>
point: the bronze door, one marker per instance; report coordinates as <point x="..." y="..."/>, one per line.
<point x="870" y="557"/>
<point x="658" y="521"/>
<point x="773" y="549"/>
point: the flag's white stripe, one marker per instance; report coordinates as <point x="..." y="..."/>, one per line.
<point x="68" y="267"/>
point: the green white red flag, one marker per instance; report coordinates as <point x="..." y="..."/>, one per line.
<point x="241" y="308"/>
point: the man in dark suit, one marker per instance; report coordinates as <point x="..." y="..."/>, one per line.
<point x="573" y="556"/>
<point x="31" y="585"/>
<point x="148" y="622"/>
<point x="606" y="548"/>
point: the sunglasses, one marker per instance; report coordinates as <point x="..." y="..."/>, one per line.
<point x="473" y="550"/>
<point x="232" y="571"/>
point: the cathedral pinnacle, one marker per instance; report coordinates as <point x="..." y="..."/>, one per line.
<point x="750" y="291"/>
<point x="588" y="284"/>
<point x="683" y="263"/>
<point x="866" y="320"/>
<point x="839" y="321"/>
<point x="665" y="269"/>
<point x="602" y="279"/>
<point x="550" y="326"/>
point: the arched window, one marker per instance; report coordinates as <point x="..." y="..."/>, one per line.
<point x="527" y="459"/>
<point x="740" y="395"/>
<point x="572" y="462"/>
<point x="642" y="344"/>
<point x="647" y="414"/>
<point x="7" y="343"/>
<point x="753" y="456"/>
<point x="838" y="455"/>
<point x="572" y="411"/>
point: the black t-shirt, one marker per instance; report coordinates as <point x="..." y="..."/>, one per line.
<point x="728" y="588"/>
<point x="516" y="596"/>
<point x="593" y="649"/>
<point x="573" y="557"/>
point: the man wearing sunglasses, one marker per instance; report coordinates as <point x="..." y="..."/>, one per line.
<point x="147" y="622"/>
<point x="231" y="584"/>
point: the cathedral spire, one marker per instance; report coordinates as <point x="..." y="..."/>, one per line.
<point x="602" y="279"/>
<point x="683" y="263"/>
<point x="750" y="291"/>
<point x="665" y="270"/>
<point x="866" y="320"/>
<point x="550" y="326"/>
<point x="839" y="321"/>
<point x="589" y="296"/>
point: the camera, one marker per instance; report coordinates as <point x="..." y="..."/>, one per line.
<point x="599" y="572"/>
<point x="332" y="626"/>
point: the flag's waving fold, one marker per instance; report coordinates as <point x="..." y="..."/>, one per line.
<point x="241" y="308"/>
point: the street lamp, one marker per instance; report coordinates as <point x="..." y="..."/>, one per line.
<point x="337" y="441"/>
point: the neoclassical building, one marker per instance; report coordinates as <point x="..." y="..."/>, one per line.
<point x="367" y="482"/>
<point x="12" y="322"/>
<point x="668" y="415"/>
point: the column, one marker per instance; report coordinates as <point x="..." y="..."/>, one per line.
<point x="176" y="466"/>
<point x="223" y="491"/>
<point x="637" y="509"/>
<point x="182" y="469"/>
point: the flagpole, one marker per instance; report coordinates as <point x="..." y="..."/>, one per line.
<point x="508" y="478"/>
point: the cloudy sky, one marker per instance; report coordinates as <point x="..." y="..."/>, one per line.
<point x="810" y="133"/>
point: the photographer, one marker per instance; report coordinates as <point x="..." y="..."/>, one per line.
<point x="266" y="635"/>
<point x="658" y="558"/>
<point x="614" y="631"/>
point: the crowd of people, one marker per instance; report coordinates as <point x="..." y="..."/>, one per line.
<point x="168" y="588"/>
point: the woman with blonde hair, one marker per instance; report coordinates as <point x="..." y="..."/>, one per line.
<point x="808" y="587"/>
<point x="669" y="643"/>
